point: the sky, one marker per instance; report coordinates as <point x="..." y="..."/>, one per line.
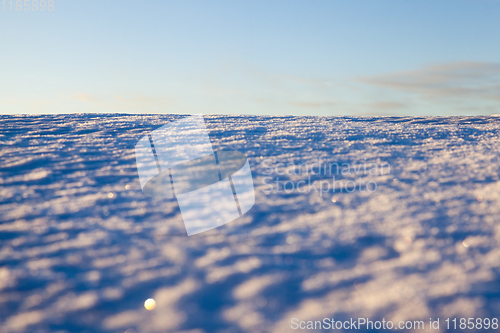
<point x="352" y="57"/>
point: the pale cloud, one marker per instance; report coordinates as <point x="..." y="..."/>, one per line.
<point x="30" y="105"/>
<point x="84" y="98"/>
<point x="122" y="102"/>
<point x="318" y="82"/>
<point x="388" y="105"/>
<point x="460" y="88"/>
<point x="314" y="104"/>
<point x="85" y="102"/>
<point x="455" y="81"/>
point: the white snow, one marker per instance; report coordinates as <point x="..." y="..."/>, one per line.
<point x="424" y="244"/>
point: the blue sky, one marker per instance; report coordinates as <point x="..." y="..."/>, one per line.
<point x="372" y="57"/>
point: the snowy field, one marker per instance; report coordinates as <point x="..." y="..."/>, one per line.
<point x="82" y="248"/>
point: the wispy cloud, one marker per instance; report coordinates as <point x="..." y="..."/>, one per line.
<point x="459" y="80"/>
<point x="388" y="105"/>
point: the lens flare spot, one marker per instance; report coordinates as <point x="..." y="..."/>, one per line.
<point x="150" y="304"/>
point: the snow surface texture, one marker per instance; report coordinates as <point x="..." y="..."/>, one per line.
<point x="82" y="247"/>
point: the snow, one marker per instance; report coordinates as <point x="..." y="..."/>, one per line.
<point x="82" y="248"/>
